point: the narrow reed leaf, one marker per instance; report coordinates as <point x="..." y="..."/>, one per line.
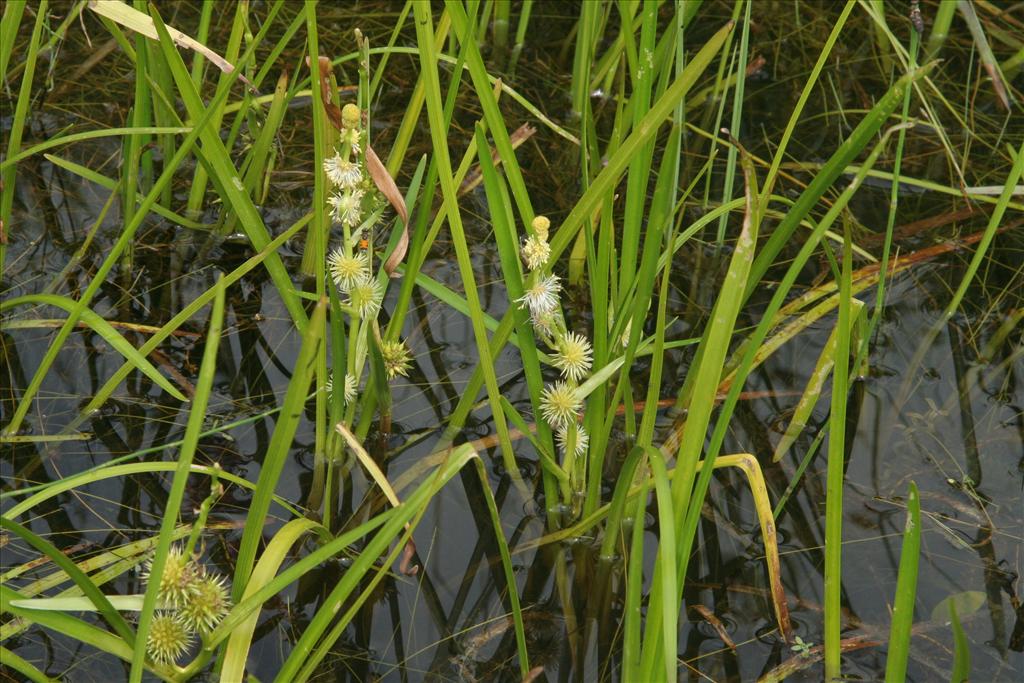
<point x="196" y="417"/>
<point x="961" y="648"/>
<point x="428" y="61"/>
<point x="836" y="471"/>
<point x="239" y="642"/>
<point x="222" y="169"/>
<point x="906" y="592"/>
<point x="137" y="21"/>
<point x="830" y="171"/>
<point x="279" y="447"/>
<point x="124" y="632"/>
<point x="11" y="659"/>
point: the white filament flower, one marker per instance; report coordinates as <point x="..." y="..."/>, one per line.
<point x="347" y="207"/>
<point x="573" y="357"/>
<point x="536" y="252"/>
<point x="559" y="403"/>
<point x="582" y="440"/>
<point x="341" y="172"/>
<point x="351" y="386"/>
<point x="365" y="296"/>
<point x="542" y="296"/>
<point x="345" y="269"/>
<point x="351" y="136"/>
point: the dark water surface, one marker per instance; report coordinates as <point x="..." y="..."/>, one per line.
<point x="963" y="423"/>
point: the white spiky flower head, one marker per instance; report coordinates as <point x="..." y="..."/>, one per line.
<point x="582" y="440"/>
<point x="544" y="323"/>
<point x="536" y="252"/>
<point x="559" y="403"/>
<point x="542" y="296"/>
<point x="347" y="207"/>
<point x="573" y="357"/>
<point x="342" y="172"/>
<point x="345" y="270"/>
<point x="365" y="296"/>
<point x="351" y="387"/>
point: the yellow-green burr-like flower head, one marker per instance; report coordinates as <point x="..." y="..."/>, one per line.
<point x="559" y="403"/>
<point x="178" y="580"/>
<point x="350" y="116"/>
<point x="346" y="270"/>
<point x="541" y="225"/>
<point x="396" y="358"/>
<point x="573" y="357"/>
<point x="168" y="638"/>
<point x="204" y="610"/>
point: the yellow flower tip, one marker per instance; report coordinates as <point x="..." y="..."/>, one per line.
<point x="573" y="357"/>
<point x="541" y="225"/>
<point x="559" y="404"/>
<point x="168" y="638"/>
<point x="208" y="606"/>
<point x="350" y="116"/>
<point x="345" y="270"/>
<point x="397" y="360"/>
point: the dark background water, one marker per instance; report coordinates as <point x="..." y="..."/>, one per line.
<point x="448" y="624"/>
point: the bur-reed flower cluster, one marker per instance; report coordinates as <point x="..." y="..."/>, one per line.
<point x="351" y="204"/>
<point x="571" y="352"/>
<point x="191" y="599"/>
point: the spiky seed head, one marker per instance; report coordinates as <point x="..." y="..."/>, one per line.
<point x="365" y="296"/>
<point x="178" y="580"/>
<point x="536" y="252"/>
<point x="346" y="269"/>
<point x="350" y="116"/>
<point x="396" y="358"/>
<point x="205" y="609"/>
<point x="559" y="403"/>
<point x="542" y="296"/>
<point x="168" y="638"/>
<point x="573" y="357"/>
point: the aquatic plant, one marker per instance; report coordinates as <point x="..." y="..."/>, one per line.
<point x="622" y="403"/>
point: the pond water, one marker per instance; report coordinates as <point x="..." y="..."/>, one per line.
<point x="959" y="436"/>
